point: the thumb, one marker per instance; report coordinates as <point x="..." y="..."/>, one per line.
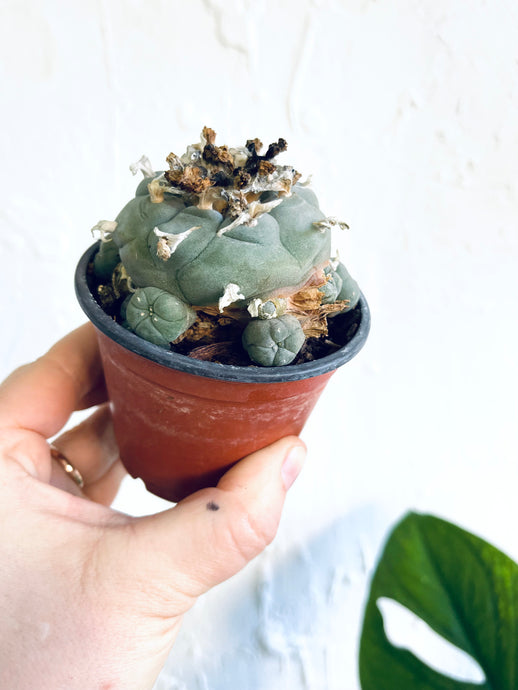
<point x="211" y="535"/>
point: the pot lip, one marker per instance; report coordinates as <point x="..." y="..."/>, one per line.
<point x="212" y="370"/>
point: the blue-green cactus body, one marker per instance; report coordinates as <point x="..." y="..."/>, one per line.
<point x="206" y="220"/>
<point x="273" y="342"/>
<point x="140" y="216"/>
<point x="332" y="288"/>
<point x="279" y="252"/>
<point x="349" y="290"/>
<point x="158" y="316"/>
<point x="105" y="260"/>
<point x="251" y="257"/>
<point x="297" y="234"/>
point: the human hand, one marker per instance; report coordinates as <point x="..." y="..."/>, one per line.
<point x="91" y="598"/>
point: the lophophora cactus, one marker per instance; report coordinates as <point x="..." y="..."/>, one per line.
<point x="224" y="235"/>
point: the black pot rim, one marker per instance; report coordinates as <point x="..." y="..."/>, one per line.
<point x="213" y="370"/>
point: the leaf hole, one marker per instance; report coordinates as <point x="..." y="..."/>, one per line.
<point x="407" y="631"/>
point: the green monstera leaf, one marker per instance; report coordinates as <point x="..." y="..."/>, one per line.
<point x="273" y="342"/>
<point x="462" y="587"/>
<point x="157" y="316"/>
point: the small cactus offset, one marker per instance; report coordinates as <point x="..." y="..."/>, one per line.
<point x="224" y="235"/>
<point x="158" y="316"/>
<point x="273" y="342"/>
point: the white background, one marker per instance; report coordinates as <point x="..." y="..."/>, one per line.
<point x="406" y="115"/>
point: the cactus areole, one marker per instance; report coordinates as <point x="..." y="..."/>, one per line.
<point x="226" y="257"/>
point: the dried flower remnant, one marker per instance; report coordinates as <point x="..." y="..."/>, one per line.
<point x="105" y="228"/>
<point x="121" y="281"/>
<point x="192" y="178"/>
<point x="208" y="136"/>
<point x="236" y="176"/>
<point x="168" y="242"/>
<point x="249" y="215"/>
<point x="143" y="165"/>
<point x="218" y="156"/>
<point x="232" y="294"/>
<point x="315" y="322"/>
<point x="242" y="179"/>
<point x="330" y="223"/>
<point x="255" y="161"/>
<point x="156" y="189"/>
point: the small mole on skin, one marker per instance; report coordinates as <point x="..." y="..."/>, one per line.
<point x="212" y="506"/>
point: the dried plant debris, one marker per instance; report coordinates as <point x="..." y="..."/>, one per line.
<point x="111" y="294"/>
<point x="168" y="242"/>
<point x="231" y="180"/>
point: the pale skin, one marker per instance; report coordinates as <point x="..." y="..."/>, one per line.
<point x="89" y="597"/>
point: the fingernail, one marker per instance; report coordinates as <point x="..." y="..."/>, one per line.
<point x="292" y="465"/>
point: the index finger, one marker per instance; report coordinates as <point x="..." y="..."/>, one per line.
<point x="41" y="396"/>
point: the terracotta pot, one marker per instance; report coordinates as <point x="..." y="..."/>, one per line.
<point x="181" y="423"/>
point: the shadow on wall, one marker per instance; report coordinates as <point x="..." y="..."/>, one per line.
<point x="297" y="625"/>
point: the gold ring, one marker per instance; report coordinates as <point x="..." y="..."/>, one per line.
<point x="72" y="471"/>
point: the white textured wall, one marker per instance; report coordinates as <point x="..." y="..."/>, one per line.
<point x="406" y="114"/>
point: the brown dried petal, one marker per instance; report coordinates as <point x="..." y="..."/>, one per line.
<point x="218" y="155"/>
<point x="276" y="148"/>
<point x="314" y="325"/>
<point x="242" y="179"/>
<point x="174" y="162"/>
<point x="266" y="168"/>
<point x="220" y="205"/>
<point x="209" y="135"/>
<point x="191" y="179"/>
<point x="254" y="145"/>
<point x="173" y="176"/>
<point x="284" y="187"/>
<point x="156" y="192"/>
<point x="252" y="196"/>
<point x="162" y="249"/>
<point x="121" y="280"/>
<point x="306" y="299"/>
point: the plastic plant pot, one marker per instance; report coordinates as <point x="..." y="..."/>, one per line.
<point x="181" y="423"/>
